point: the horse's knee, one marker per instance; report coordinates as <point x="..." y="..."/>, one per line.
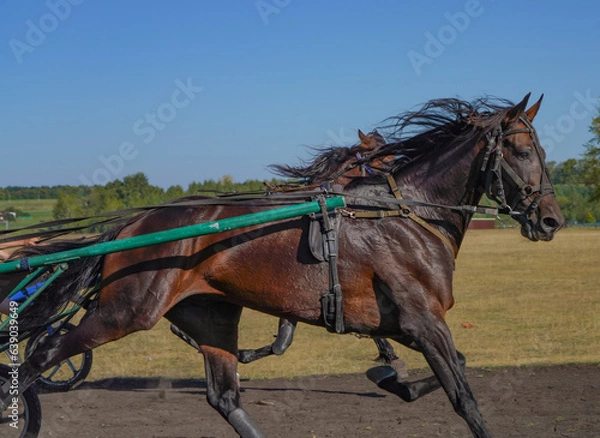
<point x="223" y="402"/>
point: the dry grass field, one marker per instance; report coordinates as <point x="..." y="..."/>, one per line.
<point x="523" y="303"/>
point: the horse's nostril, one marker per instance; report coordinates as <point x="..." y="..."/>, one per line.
<point x="550" y="223"/>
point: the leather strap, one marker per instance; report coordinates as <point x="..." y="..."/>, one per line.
<point x="411" y="215"/>
<point x="404" y="212"/>
<point x="331" y="301"/>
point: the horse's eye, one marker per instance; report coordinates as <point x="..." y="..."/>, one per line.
<point x="523" y="154"/>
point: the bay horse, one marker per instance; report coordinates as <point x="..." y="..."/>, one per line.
<point x="395" y="274"/>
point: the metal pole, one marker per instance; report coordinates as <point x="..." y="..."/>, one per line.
<point x="196" y="230"/>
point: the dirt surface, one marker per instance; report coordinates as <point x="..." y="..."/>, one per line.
<point x="561" y="401"/>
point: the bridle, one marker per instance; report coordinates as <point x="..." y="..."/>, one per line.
<point x="494" y="165"/>
<point x="365" y="169"/>
<point x="362" y="162"/>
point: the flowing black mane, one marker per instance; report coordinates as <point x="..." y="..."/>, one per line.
<point x="324" y="163"/>
<point x="439" y="123"/>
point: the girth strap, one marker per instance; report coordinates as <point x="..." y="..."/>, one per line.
<point x="331" y="301"/>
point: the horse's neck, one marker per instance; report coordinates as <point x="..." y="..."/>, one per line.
<point x="448" y="179"/>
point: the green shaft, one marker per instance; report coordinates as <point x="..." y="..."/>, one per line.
<point x="196" y="230"/>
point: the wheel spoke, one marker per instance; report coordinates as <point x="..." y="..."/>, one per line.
<point x="70" y="364"/>
<point x="54" y="371"/>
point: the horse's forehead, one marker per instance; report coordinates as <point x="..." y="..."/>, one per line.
<point x="367" y="143"/>
<point x="524" y="136"/>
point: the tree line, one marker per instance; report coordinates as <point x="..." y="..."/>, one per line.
<point x="135" y="191"/>
<point x="577" y="181"/>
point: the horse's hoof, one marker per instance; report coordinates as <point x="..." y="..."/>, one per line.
<point x="283" y="340"/>
<point x="381" y="374"/>
<point x="400" y="367"/>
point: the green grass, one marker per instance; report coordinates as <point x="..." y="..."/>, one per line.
<point x="40" y="210"/>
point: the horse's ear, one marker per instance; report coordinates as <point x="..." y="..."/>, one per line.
<point x="513" y="114"/>
<point x="379" y="140"/>
<point x="531" y="112"/>
<point x="366" y="141"/>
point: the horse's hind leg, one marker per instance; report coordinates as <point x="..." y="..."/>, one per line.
<point x="284" y="338"/>
<point x="97" y="327"/>
<point x="214" y="327"/>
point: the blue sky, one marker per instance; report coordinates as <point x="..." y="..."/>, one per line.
<point x="191" y="90"/>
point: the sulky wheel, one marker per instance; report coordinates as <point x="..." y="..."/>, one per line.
<point x="23" y="417"/>
<point x="70" y="373"/>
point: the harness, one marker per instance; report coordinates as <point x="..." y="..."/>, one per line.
<point x="404" y="211"/>
<point x="493" y="165"/>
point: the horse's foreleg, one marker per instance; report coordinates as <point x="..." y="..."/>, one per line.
<point x="284" y="338"/>
<point x="390" y="379"/>
<point x="432" y="336"/>
<point x="184" y="336"/>
<point x="214" y="328"/>
<point x="387" y="378"/>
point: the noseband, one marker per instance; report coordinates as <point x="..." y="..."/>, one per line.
<point x="494" y="164"/>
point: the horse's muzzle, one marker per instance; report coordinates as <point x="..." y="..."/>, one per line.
<point x="544" y="228"/>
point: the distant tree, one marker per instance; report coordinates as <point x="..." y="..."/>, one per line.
<point x="574" y="202"/>
<point x="567" y="172"/>
<point x="174" y="192"/>
<point x="591" y="160"/>
<point x="590" y="218"/>
<point x="67" y="206"/>
<point x="226" y="183"/>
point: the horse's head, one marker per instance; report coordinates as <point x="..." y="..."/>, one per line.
<point x="517" y="176"/>
<point x="362" y="159"/>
